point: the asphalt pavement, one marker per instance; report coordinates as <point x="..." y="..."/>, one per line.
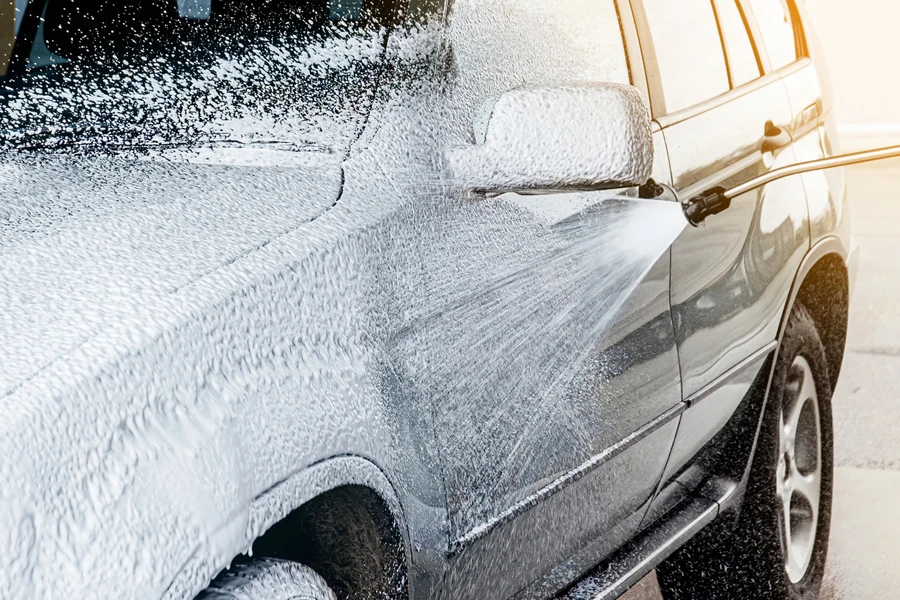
<point x="864" y="555"/>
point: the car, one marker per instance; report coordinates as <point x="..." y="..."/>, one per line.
<point x="400" y="299"/>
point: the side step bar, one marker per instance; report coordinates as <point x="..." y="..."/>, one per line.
<point x="614" y="576"/>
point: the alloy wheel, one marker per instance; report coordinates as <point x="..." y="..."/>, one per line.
<point x="799" y="473"/>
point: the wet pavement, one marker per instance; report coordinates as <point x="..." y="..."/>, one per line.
<point x="864" y="553"/>
<point x="864" y="556"/>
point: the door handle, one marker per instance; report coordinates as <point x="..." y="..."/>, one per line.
<point x="775" y="138"/>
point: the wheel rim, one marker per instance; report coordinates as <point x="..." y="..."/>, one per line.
<point x="799" y="477"/>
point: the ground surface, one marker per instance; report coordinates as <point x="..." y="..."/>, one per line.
<point x="864" y="556"/>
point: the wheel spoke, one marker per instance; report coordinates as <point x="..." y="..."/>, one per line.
<point x="809" y="487"/>
<point x="808" y="389"/>
<point x="782" y="438"/>
<point x="793" y="419"/>
<point x="786" y="517"/>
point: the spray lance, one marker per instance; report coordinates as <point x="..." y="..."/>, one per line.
<point x="717" y="199"/>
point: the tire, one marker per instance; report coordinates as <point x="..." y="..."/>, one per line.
<point x="269" y="579"/>
<point x="758" y="559"/>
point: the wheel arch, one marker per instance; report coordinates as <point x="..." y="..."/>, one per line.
<point x="341" y="517"/>
<point x="822" y="285"/>
<point x="823" y="269"/>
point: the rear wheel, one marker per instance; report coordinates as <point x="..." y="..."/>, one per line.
<point x="269" y="579"/>
<point x="779" y="548"/>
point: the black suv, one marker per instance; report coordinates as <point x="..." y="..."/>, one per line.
<point x="397" y="298"/>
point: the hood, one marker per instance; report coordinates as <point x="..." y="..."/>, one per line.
<point x="87" y="242"/>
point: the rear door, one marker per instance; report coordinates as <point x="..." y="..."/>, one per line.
<point x="785" y="30"/>
<point x="726" y="118"/>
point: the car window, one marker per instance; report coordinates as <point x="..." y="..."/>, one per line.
<point x="536" y="42"/>
<point x="689" y="51"/>
<point x="742" y="64"/>
<point x="138" y="73"/>
<point x="20" y="12"/>
<point x="40" y="55"/>
<point x="504" y="44"/>
<point x="777" y="27"/>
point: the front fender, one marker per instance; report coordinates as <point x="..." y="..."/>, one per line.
<point x="273" y="505"/>
<point x="141" y="463"/>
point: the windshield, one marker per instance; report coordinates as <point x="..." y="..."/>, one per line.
<point x="147" y="74"/>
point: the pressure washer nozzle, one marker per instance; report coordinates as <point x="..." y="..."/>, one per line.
<point x="710" y="202"/>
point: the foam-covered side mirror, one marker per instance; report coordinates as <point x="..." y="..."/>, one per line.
<point x="583" y="137"/>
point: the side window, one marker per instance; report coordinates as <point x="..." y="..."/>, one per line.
<point x="503" y="44"/>
<point x="688" y="51"/>
<point x="536" y="42"/>
<point x="777" y="27"/>
<point x="743" y="66"/>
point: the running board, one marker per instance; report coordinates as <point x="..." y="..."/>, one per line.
<point x="626" y="567"/>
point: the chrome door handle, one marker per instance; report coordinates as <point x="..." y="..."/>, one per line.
<point x="775" y="138"/>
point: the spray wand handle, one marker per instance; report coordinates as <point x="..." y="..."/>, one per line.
<point x="717" y="199"/>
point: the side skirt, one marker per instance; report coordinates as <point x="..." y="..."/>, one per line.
<point x="614" y="576"/>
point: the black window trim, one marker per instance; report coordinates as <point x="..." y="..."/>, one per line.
<point x="634" y="54"/>
<point x="651" y="67"/>
<point x="725" y="53"/>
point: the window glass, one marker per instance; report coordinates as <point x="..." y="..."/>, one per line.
<point x="539" y="42"/>
<point x="741" y="57"/>
<point x="139" y="74"/>
<point x="688" y="51"/>
<point x="503" y="44"/>
<point x="20" y="6"/>
<point x="195" y="9"/>
<point x="774" y="20"/>
<point x="41" y="56"/>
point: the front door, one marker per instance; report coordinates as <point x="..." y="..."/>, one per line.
<point x="548" y="352"/>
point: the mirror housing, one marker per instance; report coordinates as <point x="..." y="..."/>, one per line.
<point x="584" y="137"/>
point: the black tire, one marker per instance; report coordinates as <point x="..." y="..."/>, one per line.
<point x="750" y="562"/>
<point x="269" y="579"/>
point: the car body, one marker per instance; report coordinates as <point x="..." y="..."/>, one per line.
<point x="201" y="341"/>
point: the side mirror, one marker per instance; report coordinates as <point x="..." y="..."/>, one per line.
<point x="584" y="137"/>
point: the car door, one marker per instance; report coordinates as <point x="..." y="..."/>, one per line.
<point x="785" y="27"/>
<point x="726" y="118"/>
<point x="553" y="374"/>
